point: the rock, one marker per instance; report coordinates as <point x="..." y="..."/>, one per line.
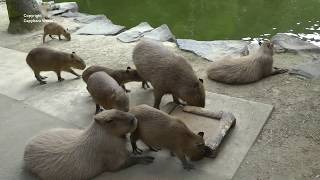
<point x="309" y="70"/>
<point x="135" y="33"/>
<point x="289" y="43"/>
<point x="68" y="6"/>
<point x="215" y="50"/>
<point x="70" y="14"/>
<point x="56" y="12"/>
<point x="90" y="18"/>
<point x="101" y="27"/>
<point x="161" y="33"/>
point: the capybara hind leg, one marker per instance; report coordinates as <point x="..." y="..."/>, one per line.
<point x="276" y="71"/>
<point x="44" y="37"/>
<point x="43" y="77"/>
<point x="51" y="36"/>
<point x="157" y="98"/>
<point x="38" y="77"/>
<point x="125" y="89"/>
<point x="145" y="85"/>
<point x="186" y="165"/>
<point x="59" y="76"/>
<point x="133" y="139"/>
<point x="59" y="37"/>
<point x="74" y="73"/>
<point x="98" y="109"/>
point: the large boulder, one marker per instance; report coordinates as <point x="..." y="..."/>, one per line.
<point x="289" y="43"/>
<point x="215" y="50"/>
<point x="161" y="33"/>
<point x="310" y="70"/>
<point x="135" y="33"/>
<point x="101" y="27"/>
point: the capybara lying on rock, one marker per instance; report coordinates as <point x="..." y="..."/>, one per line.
<point x="168" y="73"/>
<point x="121" y="76"/>
<point x="45" y="59"/>
<point x="75" y="154"/>
<point x="158" y="129"/>
<point x="245" y="69"/>
<point x="55" y="29"/>
<point x="106" y="92"/>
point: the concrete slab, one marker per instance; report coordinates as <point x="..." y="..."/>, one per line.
<point x="251" y="116"/>
<point x="19" y="122"/>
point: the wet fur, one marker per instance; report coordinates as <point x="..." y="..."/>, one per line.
<point x="168" y="73"/>
<point x="244" y="69"/>
<point x="55" y="29"/>
<point x="106" y="92"/>
<point x="74" y="154"/>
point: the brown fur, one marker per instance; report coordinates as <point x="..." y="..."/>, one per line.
<point x="245" y="69"/>
<point x="45" y="59"/>
<point x="106" y="92"/>
<point x="55" y="29"/>
<point x="121" y="76"/>
<point x="168" y="73"/>
<point x="76" y="154"/>
<point x="158" y="129"/>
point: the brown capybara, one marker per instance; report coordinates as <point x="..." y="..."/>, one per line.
<point x="158" y="129"/>
<point x="45" y="59"/>
<point x="245" y="69"/>
<point x="121" y="76"/>
<point x="106" y="92"/>
<point x="76" y="154"/>
<point x="55" y="29"/>
<point x="168" y="73"/>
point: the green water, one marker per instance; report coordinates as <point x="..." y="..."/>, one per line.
<point x="212" y="19"/>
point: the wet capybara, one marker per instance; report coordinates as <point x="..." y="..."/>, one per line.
<point x="76" y="154"/>
<point x="121" y="76"/>
<point x="55" y="29"/>
<point x="158" y="129"/>
<point x="45" y="59"/>
<point x="245" y="69"/>
<point x="168" y="73"/>
<point x="106" y="92"/>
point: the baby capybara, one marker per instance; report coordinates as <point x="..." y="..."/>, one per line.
<point x="106" y="92"/>
<point x="121" y="76"/>
<point x="168" y="73"/>
<point x="158" y="129"/>
<point x="74" y="154"/>
<point x="45" y="59"/>
<point x="55" y="29"/>
<point x="245" y="69"/>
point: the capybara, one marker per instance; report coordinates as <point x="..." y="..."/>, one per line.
<point x="168" y="73"/>
<point x="106" y="92"/>
<point x="121" y="76"/>
<point x="55" y="29"/>
<point x="158" y="129"/>
<point x="75" y="154"/>
<point x="245" y="69"/>
<point x="45" y="59"/>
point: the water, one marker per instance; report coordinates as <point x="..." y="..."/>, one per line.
<point x="213" y="19"/>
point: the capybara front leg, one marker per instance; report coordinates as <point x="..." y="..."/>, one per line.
<point x="51" y="36"/>
<point x="59" y="76"/>
<point x="74" y="73"/>
<point x="276" y="71"/>
<point x="39" y="78"/>
<point x="157" y="98"/>
<point x="44" y="37"/>
<point x="133" y="140"/>
<point x="125" y="89"/>
<point x="186" y="165"/>
<point x="59" y="37"/>
<point x="145" y="85"/>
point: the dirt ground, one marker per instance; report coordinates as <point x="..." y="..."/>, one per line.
<point x="289" y="144"/>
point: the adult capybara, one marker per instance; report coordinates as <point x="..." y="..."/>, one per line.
<point x="106" y="92"/>
<point x="158" y="129"/>
<point x="45" y="59"/>
<point x="168" y="73"/>
<point x="245" y="69"/>
<point x="120" y="75"/>
<point x="75" y="154"/>
<point x="55" y="29"/>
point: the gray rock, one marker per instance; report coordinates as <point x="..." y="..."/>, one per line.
<point x="101" y="27"/>
<point x="289" y="43"/>
<point x="70" y="14"/>
<point x="215" y="50"/>
<point x="309" y="70"/>
<point x="135" y="33"/>
<point x="90" y="18"/>
<point x="161" y="33"/>
<point x="68" y="6"/>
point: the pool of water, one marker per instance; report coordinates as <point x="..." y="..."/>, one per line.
<point x="213" y="19"/>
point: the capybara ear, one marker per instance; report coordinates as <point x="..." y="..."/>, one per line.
<point x="260" y="43"/>
<point x="201" y="80"/>
<point x="128" y="68"/>
<point x="201" y="134"/>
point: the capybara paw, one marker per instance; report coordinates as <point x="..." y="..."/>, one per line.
<point x="137" y="151"/>
<point x="78" y="77"/>
<point x="127" y="90"/>
<point x="146" y="159"/>
<point x="155" y="149"/>
<point x="61" y="79"/>
<point x="98" y="111"/>
<point x="43" y="82"/>
<point x="43" y="77"/>
<point x="188" y="166"/>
